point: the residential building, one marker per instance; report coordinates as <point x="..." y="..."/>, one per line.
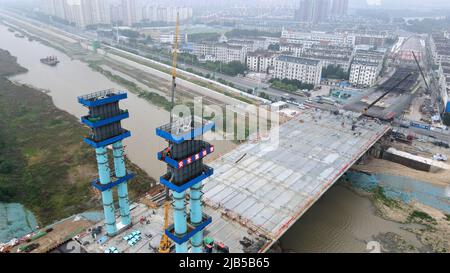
<point x="221" y="52"/>
<point x="440" y="47"/>
<point x="293" y="68"/>
<point x="80" y="12"/>
<point x="330" y="55"/>
<point x="294" y="49"/>
<point x="373" y="39"/>
<point x="169" y="38"/>
<point x="339" y="8"/>
<point x="313" y="11"/>
<point x="366" y="67"/>
<point x="129" y="12"/>
<point x="152" y="13"/>
<point x="261" y="60"/>
<point x="336" y="39"/>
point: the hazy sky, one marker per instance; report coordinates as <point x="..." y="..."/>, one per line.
<point x="389" y="4"/>
<point x="400" y="4"/>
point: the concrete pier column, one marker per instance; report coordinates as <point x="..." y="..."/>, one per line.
<point x="179" y="219"/>
<point x="196" y="215"/>
<point x="107" y="196"/>
<point x="122" y="189"/>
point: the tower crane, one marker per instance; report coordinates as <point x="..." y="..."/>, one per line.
<point x="165" y="244"/>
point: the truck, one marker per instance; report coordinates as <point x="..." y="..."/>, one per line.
<point x="420" y="125"/>
<point x="402" y="137"/>
<point x="441" y="144"/>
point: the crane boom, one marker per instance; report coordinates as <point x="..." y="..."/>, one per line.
<point x="420" y="69"/>
<point x="174" y="65"/>
<point x="386" y="93"/>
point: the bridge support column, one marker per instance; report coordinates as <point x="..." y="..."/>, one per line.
<point x="107" y="196"/>
<point x="122" y="189"/>
<point x="196" y="216"/>
<point x="179" y="219"/>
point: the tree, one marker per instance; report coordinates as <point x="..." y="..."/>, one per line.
<point x="274" y="47"/>
<point x="242" y="33"/>
<point x="204" y="36"/>
<point x="334" y="72"/>
<point x="264" y="96"/>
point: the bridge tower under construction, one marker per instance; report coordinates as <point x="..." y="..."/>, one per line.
<point x="104" y="119"/>
<point x="185" y="173"/>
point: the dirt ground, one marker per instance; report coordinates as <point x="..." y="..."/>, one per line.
<point x="374" y="165"/>
<point x="433" y="231"/>
<point x="61" y="232"/>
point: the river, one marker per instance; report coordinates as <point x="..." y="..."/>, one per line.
<point x="341" y="221"/>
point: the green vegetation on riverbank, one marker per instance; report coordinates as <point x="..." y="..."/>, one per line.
<point x="45" y="164"/>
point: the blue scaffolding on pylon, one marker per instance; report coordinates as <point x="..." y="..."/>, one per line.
<point x="186" y="171"/>
<point x="104" y="119"/>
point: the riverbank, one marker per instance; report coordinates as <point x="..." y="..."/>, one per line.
<point x="405" y="200"/>
<point x="43" y="156"/>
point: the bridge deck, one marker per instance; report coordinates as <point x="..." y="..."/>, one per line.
<point x="266" y="192"/>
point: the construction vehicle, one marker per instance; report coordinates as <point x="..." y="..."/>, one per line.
<point x="165" y="245"/>
<point x="212" y="246"/>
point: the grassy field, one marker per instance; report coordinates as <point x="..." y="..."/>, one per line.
<point x="44" y="164"/>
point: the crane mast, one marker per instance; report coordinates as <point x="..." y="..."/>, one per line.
<point x="165" y="244"/>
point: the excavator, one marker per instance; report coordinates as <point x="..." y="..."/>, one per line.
<point x="166" y="244"/>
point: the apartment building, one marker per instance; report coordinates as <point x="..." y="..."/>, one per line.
<point x="295" y="50"/>
<point x="337" y="39"/>
<point x="293" y="68"/>
<point x="366" y="67"/>
<point x="330" y="55"/>
<point x="221" y="52"/>
<point x="261" y="60"/>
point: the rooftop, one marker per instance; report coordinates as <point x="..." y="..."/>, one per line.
<point x="291" y="59"/>
<point x="262" y="53"/>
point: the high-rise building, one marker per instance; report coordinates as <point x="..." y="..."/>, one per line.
<point x="303" y="13"/>
<point x="321" y="11"/>
<point x="54" y="8"/>
<point x="153" y="13"/>
<point x="80" y="12"/>
<point x="313" y="11"/>
<point x="101" y="11"/>
<point x="339" y="8"/>
<point x="129" y="10"/>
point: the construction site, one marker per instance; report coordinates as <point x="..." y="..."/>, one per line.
<point x="243" y="218"/>
<point x="391" y="98"/>
<point x="245" y="200"/>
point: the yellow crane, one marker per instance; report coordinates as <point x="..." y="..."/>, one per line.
<point x="165" y="244"/>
